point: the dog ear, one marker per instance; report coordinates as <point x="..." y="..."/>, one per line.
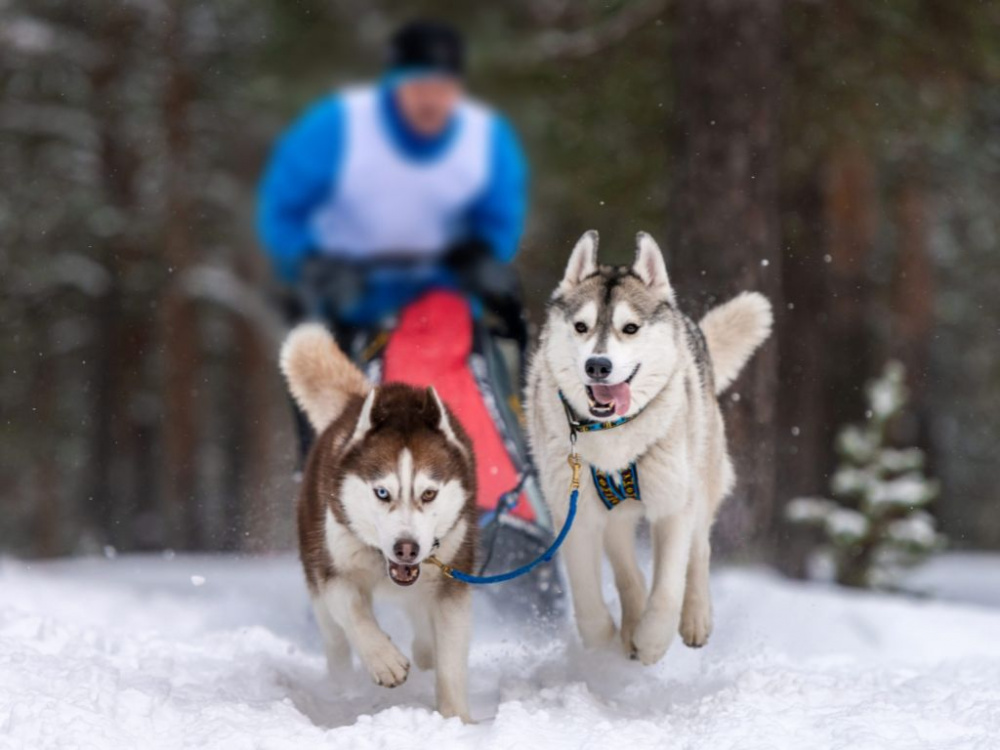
<point x="582" y="261"/>
<point x="442" y="422"/>
<point x="650" y="266"/>
<point x="365" y="418"/>
<point x="430" y="409"/>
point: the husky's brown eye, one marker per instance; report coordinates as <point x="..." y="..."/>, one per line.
<point x="429" y="495"/>
<point x="630" y="329"/>
<point x="581" y="327"/>
<point x="382" y="494"/>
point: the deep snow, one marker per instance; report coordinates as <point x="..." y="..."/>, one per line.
<point x="151" y="652"/>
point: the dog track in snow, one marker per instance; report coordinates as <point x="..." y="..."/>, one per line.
<point x="129" y="653"/>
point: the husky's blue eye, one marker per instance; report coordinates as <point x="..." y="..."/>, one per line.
<point x="381" y="493"/>
<point x="630" y="329"/>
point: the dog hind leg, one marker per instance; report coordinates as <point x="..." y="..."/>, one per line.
<point x="335" y="645"/>
<point x="451" y="620"/>
<point x="619" y="544"/>
<point x="696" y="614"/>
<point x="423" y="637"/>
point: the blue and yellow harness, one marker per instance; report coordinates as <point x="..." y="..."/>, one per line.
<point x="613" y="490"/>
<point x="617" y="486"/>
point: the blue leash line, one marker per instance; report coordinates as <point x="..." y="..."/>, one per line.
<point x="575" y="426"/>
<point x="546" y="556"/>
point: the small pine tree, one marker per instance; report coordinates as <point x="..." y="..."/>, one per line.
<point x="877" y="522"/>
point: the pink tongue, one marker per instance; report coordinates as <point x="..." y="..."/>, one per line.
<point x="620" y="394"/>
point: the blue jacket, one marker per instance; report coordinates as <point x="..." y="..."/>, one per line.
<point x="303" y="173"/>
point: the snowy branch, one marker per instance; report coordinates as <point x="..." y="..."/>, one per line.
<point x="572" y="45"/>
<point x="67" y="123"/>
<point x="33" y="37"/>
<point x="224" y="288"/>
<point x="874" y="523"/>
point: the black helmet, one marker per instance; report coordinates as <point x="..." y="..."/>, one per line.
<point x="431" y="46"/>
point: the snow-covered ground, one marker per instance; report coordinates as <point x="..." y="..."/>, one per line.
<point x="148" y="652"/>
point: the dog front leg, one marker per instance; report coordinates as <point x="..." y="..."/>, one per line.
<point x="619" y="543"/>
<point x="451" y="620"/>
<point x="659" y="622"/>
<point x="583" y="552"/>
<point x="351" y="608"/>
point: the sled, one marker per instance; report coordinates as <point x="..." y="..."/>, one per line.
<point x="436" y="340"/>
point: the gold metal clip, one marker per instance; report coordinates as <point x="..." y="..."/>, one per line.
<point x="445" y="568"/>
<point x="574" y="462"/>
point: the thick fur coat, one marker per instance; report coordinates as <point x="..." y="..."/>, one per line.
<point x="618" y="348"/>
<point x="389" y="481"/>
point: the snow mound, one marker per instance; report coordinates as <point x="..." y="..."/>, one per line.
<point x="144" y="652"/>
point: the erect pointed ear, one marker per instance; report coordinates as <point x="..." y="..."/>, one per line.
<point x="365" y="418"/>
<point x="443" y="421"/>
<point x="650" y="266"/>
<point x="582" y="261"/>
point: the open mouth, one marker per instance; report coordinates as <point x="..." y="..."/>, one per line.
<point x="608" y="400"/>
<point x="403" y="575"/>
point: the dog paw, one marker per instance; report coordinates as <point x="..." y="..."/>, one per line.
<point x="631" y="615"/>
<point x="651" y="639"/>
<point x="450" y="711"/>
<point x="597" y="632"/>
<point x="387" y="666"/>
<point x="423" y="654"/>
<point x="627" y="637"/>
<point x="696" y="626"/>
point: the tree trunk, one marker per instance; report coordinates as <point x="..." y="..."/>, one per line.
<point x="851" y="198"/>
<point x="47" y="526"/>
<point x="913" y="307"/>
<point x="180" y="319"/>
<point x="725" y="230"/>
<point x="255" y="426"/>
<point x="803" y="446"/>
<point x="114" y="486"/>
<point x="251" y="448"/>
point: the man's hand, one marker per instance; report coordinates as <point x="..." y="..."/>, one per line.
<point x="496" y="283"/>
<point x="478" y="271"/>
<point x="331" y="285"/>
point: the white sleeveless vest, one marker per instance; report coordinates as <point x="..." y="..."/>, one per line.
<point x="384" y="202"/>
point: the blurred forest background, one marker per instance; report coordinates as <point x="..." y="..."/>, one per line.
<point x="841" y="156"/>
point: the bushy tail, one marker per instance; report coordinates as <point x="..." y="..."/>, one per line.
<point x="733" y="331"/>
<point x="320" y="377"/>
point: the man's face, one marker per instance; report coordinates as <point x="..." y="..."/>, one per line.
<point x="428" y="103"/>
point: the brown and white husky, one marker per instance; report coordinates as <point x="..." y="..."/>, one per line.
<point x="390" y="480"/>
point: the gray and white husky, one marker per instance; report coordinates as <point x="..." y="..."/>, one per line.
<point x="640" y="381"/>
<point x="390" y="480"/>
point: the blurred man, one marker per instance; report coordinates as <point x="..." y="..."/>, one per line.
<point x="394" y="188"/>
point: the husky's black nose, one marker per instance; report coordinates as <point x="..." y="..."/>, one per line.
<point x="598" y="368"/>
<point x="406" y="551"/>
